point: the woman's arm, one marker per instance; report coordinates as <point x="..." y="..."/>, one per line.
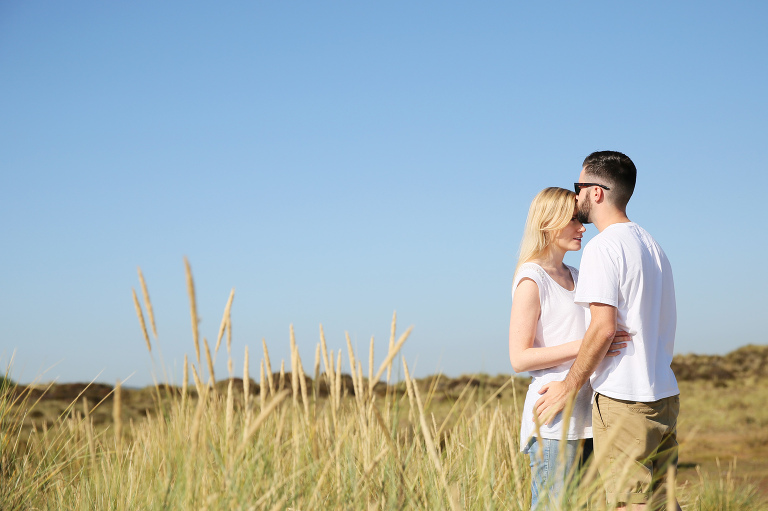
<point x="524" y="318"/>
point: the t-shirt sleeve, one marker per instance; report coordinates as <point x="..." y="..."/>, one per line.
<point x="598" y="277"/>
<point x="527" y="273"/>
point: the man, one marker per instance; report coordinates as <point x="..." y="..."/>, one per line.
<point x="626" y="281"/>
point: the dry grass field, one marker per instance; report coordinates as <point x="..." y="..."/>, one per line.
<point x="369" y="441"/>
<point x="345" y="437"/>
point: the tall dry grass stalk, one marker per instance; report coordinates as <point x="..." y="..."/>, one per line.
<point x="262" y="387"/>
<point x="117" y="416"/>
<point x="315" y="387"/>
<point x="671" y="489"/>
<point x="328" y="366"/>
<point x="303" y="385"/>
<point x="337" y="383"/>
<point x="193" y="309"/>
<point x="229" y="332"/>
<point x="89" y="433"/>
<point x="225" y="321"/>
<point x="392" y="354"/>
<point x="392" y="332"/>
<point x="229" y="345"/>
<point x="209" y="361"/>
<point x="246" y="379"/>
<point x="184" y="381"/>
<point x="230" y="413"/>
<point x="370" y="370"/>
<point x="140" y="314"/>
<point x="331" y="375"/>
<point x="268" y="367"/>
<point x="198" y="381"/>
<point x="353" y="370"/>
<point x="294" y="367"/>
<point x="147" y="302"/>
<point x="360" y="385"/>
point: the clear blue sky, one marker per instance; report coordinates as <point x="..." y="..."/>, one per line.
<point x="337" y="161"/>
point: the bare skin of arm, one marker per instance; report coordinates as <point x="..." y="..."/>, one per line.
<point x="596" y="343"/>
<point x="526" y="310"/>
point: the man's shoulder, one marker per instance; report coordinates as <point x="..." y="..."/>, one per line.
<point x="614" y="241"/>
<point x="624" y="229"/>
<point x="602" y="240"/>
<point x="643" y="238"/>
<point x="620" y="235"/>
<point x="627" y="241"/>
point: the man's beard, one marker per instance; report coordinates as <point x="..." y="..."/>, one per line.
<point x="584" y="208"/>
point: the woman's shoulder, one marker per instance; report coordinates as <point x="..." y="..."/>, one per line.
<point x="532" y="271"/>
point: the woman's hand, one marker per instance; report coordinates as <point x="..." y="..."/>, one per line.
<point x="620" y="341"/>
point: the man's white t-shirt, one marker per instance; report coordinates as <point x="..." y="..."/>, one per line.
<point x="624" y="267"/>
<point x="561" y="321"/>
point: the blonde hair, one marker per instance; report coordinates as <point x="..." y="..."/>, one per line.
<point x="550" y="212"/>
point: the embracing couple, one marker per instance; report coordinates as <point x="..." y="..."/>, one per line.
<point x="597" y="342"/>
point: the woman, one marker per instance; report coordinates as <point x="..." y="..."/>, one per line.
<point x="545" y="332"/>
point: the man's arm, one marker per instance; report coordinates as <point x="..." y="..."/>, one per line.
<point x="597" y="340"/>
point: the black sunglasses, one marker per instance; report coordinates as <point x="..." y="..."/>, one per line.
<point x="579" y="186"/>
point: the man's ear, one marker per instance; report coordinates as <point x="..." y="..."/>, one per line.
<point x="599" y="195"/>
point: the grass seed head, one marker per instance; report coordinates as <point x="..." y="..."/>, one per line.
<point x="140" y="314"/>
<point x="147" y="302"/>
<point x="268" y="367"/>
<point x="224" y="321"/>
<point x="192" y="308"/>
<point x="209" y="360"/>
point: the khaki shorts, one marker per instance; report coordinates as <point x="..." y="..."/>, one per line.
<point x="635" y="443"/>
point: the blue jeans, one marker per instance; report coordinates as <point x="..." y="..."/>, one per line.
<point x="548" y="476"/>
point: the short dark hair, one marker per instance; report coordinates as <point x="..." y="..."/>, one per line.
<point x="616" y="170"/>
